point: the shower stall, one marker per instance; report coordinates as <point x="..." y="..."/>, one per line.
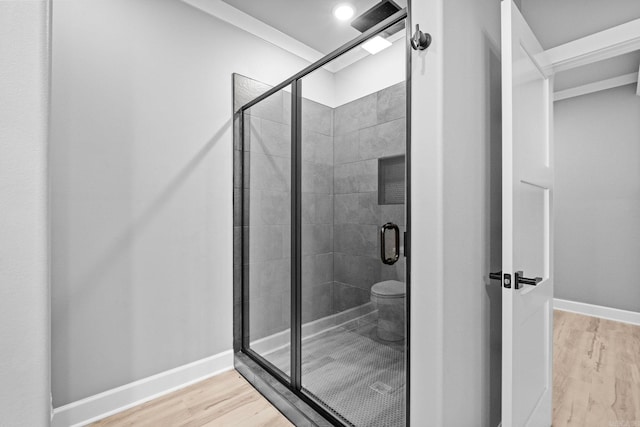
<point x="321" y="241"/>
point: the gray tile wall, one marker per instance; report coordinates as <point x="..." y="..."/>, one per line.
<point x="317" y="211"/>
<point x="340" y="212"/>
<point x="268" y="142"/>
<point x="364" y="131"/>
<point x="244" y="90"/>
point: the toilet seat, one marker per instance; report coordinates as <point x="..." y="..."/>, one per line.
<point x="388" y="289"/>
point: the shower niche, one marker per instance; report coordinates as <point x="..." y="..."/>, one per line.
<point x="391" y="180"/>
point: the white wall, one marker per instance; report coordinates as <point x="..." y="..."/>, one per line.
<point x="426" y="282"/>
<point x="456" y="231"/>
<point x="471" y="149"/>
<point x="597" y="198"/>
<point x="24" y="261"/>
<point x="371" y="74"/>
<point x="141" y="169"/>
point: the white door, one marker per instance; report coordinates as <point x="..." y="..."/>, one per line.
<point x="527" y="195"/>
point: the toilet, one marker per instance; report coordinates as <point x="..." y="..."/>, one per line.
<point x="389" y="297"/>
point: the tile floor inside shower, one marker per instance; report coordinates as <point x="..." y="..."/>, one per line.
<point x="357" y="376"/>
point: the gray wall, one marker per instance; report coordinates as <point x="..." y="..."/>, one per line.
<point x="25" y="49"/>
<point x="365" y="130"/>
<point x="597" y="198"/>
<point x="141" y="170"/>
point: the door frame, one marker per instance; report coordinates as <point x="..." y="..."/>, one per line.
<point x="520" y="45"/>
<point x="241" y="343"/>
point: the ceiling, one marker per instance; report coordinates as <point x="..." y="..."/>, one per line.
<point x="308" y="21"/>
<point x="556" y="22"/>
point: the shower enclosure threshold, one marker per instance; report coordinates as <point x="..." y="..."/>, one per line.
<point x="353" y="317"/>
<point x="336" y="347"/>
<point x="280" y="396"/>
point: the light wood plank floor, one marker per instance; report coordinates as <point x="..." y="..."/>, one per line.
<point x="596" y="383"/>
<point x="224" y="400"/>
<point x="596" y="372"/>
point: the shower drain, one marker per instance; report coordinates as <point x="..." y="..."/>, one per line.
<point x="381" y="387"/>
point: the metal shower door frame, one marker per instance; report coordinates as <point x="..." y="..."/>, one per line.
<point x="294" y="381"/>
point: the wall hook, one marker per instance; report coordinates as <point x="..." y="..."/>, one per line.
<point x="420" y="40"/>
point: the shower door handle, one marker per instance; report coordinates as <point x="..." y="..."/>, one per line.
<point x="392" y="257"/>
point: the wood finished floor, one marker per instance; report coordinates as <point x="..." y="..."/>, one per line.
<point x="596" y="383"/>
<point x="596" y="372"/>
<point x="224" y="400"/>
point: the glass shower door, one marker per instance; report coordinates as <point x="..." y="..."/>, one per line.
<point x="267" y="232"/>
<point x="352" y="287"/>
<point x="324" y="297"/>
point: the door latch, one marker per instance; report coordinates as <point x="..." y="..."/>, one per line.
<point x="506" y="280"/>
<point x="519" y="279"/>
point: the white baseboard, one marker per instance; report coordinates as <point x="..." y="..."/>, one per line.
<point x="111" y="402"/>
<point x="624" y="316"/>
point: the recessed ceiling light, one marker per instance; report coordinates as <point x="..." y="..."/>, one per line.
<point x="376" y="44"/>
<point x="343" y="11"/>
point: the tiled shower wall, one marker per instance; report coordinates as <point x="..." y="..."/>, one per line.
<point x="340" y="212"/>
<point x="317" y="211"/>
<point x="268" y="141"/>
<point x="267" y="191"/>
<point x="365" y="130"/>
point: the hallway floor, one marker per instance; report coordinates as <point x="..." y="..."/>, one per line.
<point x="224" y="400"/>
<point x="596" y="372"/>
<point x="596" y="384"/>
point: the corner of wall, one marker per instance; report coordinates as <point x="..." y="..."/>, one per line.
<point x="427" y="272"/>
<point x="24" y="294"/>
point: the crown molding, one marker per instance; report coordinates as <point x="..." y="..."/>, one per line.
<point x="596" y="87"/>
<point x="602" y="45"/>
<point x="227" y="13"/>
<point x="246" y="22"/>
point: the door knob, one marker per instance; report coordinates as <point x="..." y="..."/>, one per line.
<point x="520" y="280"/>
<point x="420" y="40"/>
